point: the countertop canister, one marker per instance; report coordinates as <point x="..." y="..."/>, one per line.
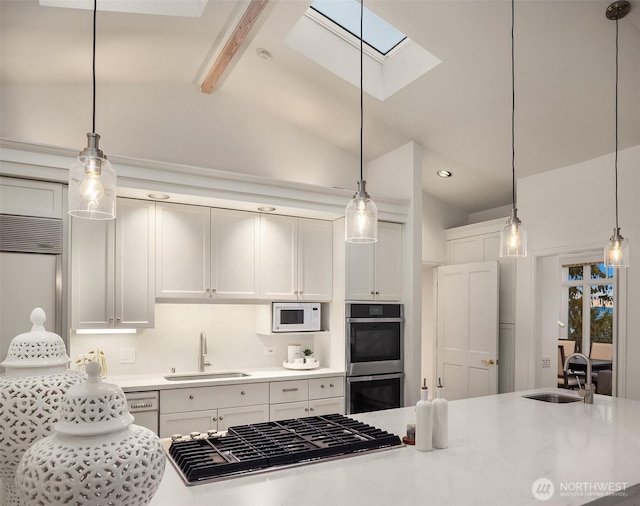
<point x="96" y="456"/>
<point x="31" y="393"/>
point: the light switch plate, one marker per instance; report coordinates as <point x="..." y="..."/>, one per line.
<point x="127" y="355"/>
<point x="546" y="362"/>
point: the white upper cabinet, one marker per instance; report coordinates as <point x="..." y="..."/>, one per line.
<point x="296" y="258"/>
<point x="183" y="251"/>
<point x="206" y="253"/>
<point x="235" y="247"/>
<point x="374" y="271"/>
<point x="113" y="268"/>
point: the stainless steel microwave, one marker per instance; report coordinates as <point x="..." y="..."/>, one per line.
<point x="296" y="317"/>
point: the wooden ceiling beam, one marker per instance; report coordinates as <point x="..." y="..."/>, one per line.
<point x="233" y="44"/>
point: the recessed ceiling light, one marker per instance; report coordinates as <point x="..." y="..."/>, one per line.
<point x="158" y="196"/>
<point x="266" y="209"/>
<point x="444" y="173"/>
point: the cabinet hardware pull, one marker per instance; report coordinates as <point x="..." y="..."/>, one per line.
<point x="242" y="393"/>
<point x="377" y="293"/>
<point x="118" y="319"/>
<point x="111" y="318"/>
<point x="306" y="409"/>
<point x="310" y="409"/>
<point x="213" y="290"/>
<point x="191" y="397"/>
<point x="290" y="389"/>
<point x="214" y="419"/>
<point x="300" y="292"/>
<point x="372" y="292"/>
<point x="220" y="418"/>
<point x="321" y="386"/>
<point x="331" y="385"/>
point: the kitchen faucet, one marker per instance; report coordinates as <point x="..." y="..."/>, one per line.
<point x="202" y="351"/>
<point x="587" y="391"/>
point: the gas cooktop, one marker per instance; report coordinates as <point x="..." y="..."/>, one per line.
<point x="266" y="446"/>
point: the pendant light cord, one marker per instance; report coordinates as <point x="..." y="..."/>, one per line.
<point x="616" y="129"/>
<point x="95" y="9"/>
<point x="513" y="110"/>
<point x="361" y="88"/>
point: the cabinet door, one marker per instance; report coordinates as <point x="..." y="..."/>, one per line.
<point x="360" y="266"/>
<point x="279" y="257"/>
<point x="183" y="251"/>
<point x="135" y="263"/>
<point x="189" y="421"/>
<point x="389" y="262"/>
<point x="320" y="407"/>
<point x="228" y="417"/>
<point x="288" y="410"/>
<point x="92" y="273"/>
<point x="235" y="257"/>
<point x="315" y="259"/>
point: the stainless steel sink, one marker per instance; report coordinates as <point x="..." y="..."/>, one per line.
<point x="553" y="398"/>
<point x="192" y="376"/>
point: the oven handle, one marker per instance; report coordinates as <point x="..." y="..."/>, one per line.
<point x="358" y="379"/>
<point x="375" y="320"/>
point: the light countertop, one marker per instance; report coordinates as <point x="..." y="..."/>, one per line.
<point x="145" y="382"/>
<point x="498" y="447"/>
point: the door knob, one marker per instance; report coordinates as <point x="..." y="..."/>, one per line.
<point x="489" y="362"/>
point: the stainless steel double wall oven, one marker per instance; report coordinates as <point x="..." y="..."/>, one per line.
<point x="375" y="356"/>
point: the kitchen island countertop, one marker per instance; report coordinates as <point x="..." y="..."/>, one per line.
<point x="498" y="447"/>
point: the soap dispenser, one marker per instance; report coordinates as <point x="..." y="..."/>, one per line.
<point x="424" y="421"/>
<point x="440" y="418"/>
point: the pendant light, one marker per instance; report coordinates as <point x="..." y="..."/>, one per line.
<point x="92" y="180"/>
<point x="513" y="236"/>
<point x="616" y="252"/>
<point x="361" y="214"/>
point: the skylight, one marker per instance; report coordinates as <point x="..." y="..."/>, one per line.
<point x="378" y="34"/>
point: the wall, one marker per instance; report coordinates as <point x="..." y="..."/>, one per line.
<point x="231" y="337"/>
<point x="437" y="216"/>
<point x="571" y="210"/>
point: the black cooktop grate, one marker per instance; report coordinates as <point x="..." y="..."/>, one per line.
<point x="260" y="446"/>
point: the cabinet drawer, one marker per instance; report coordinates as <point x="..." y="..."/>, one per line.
<point x="321" y="388"/>
<point x="185" y="423"/>
<point x="289" y="410"/>
<point x="224" y="396"/>
<point x="288" y="391"/>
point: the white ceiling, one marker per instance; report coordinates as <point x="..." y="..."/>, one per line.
<point x="460" y="112"/>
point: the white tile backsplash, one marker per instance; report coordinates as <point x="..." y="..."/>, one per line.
<point x="231" y="337"/>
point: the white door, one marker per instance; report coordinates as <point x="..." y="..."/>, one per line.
<point x="467" y="329"/>
<point x="183" y="251"/>
<point x="315" y="251"/>
<point x="235" y="253"/>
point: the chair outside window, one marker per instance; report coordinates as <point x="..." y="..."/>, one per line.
<point x="564" y="379"/>
<point x="601" y="351"/>
<point x="569" y="346"/>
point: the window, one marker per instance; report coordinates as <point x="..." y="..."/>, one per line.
<point x="588" y="304"/>
<point x="378" y="34"/>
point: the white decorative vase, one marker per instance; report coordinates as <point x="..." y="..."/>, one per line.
<point x="97" y="456"/>
<point x="31" y="393"/>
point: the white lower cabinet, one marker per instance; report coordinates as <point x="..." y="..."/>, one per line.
<point x="300" y="398"/>
<point x="198" y="409"/>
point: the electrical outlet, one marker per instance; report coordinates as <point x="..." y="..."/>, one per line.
<point x="127" y="355"/>
<point x="546" y="362"/>
<point x="270" y="350"/>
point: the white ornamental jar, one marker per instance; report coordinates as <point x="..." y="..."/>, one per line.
<point x="31" y="393"/>
<point x="97" y="456"/>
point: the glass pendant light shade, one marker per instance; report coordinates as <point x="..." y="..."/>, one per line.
<point x="616" y="252"/>
<point x="513" y="238"/>
<point x="92" y="184"/>
<point x="361" y="217"/>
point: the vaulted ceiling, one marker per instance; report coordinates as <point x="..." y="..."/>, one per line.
<point x="291" y="119"/>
